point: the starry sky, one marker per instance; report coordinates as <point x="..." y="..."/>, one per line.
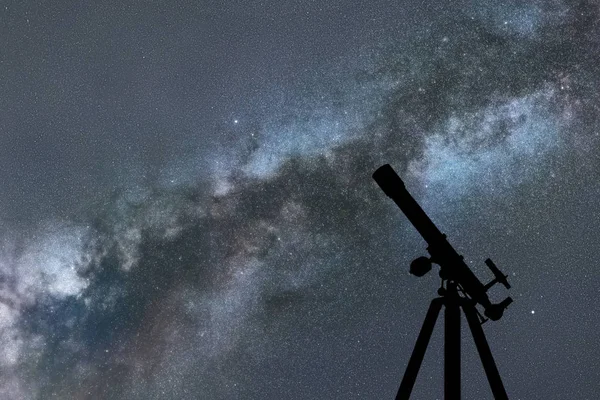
<point x="187" y="209"/>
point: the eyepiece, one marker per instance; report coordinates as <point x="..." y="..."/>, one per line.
<point x="495" y="311"/>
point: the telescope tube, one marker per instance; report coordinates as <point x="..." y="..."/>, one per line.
<point x="442" y="253"/>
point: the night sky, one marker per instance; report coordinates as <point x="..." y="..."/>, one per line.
<point x="187" y="209"/>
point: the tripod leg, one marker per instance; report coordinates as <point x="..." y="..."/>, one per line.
<point x="412" y="369"/>
<point x="452" y="347"/>
<point x="485" y="353"/>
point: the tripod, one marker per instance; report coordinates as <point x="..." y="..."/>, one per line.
<point x="450" y="298"/>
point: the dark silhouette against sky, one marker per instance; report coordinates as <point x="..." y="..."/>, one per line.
<point x="187" y="209"/>
<point x="460" y="291"/>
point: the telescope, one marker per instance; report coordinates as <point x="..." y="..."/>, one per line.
<point x="462" y="291"/>
<point x="452" y="265"/>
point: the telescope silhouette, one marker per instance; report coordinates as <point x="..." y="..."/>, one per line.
<point x="452" y="265"/>
<point x="460" y="290"/>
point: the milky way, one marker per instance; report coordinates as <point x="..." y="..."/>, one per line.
<point x="188" y="210"/>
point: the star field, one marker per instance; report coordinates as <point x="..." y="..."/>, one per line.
<point x="188" y="210"/>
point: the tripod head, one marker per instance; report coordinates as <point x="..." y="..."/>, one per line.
<point x="452" y="265"/>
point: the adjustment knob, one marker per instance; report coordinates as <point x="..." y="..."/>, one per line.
<point x="420" y="266"/>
